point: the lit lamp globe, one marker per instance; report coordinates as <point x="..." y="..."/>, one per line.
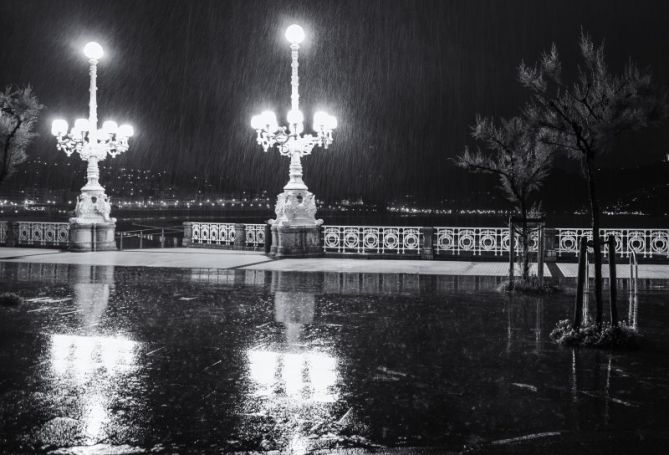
<point x="93" y="51"/>
<point x="59" y="127"/>
<point x="110" y="127"/>
<point x="126" y="130"/>
<point x="295" y="34"/>
<point x="256" y="122"/>
<point x="295" y="116"/>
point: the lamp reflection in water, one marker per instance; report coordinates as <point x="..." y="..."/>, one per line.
<point x="305" y="375"/>
<point x="89" y="365"/>
<point x="291" y="379"/>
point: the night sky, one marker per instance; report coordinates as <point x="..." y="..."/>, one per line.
<point x="404" y="78"/>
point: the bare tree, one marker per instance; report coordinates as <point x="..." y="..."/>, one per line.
<point x="19" y="110"/>
<point x="585" y="117"/>
<point x="520" y="160"/>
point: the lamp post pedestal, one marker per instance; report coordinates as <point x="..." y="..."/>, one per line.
<point x="296" y="241"/>
<point x="296" y="232"/>
<point x="92" y="235"/>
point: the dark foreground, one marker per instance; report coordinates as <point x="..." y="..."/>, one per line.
<point x="133" y="360"/>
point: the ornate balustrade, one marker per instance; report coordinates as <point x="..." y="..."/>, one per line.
<point x="645" y="243"/>
<point x="34" y="233"/>
<point x="255" y="235"/>
<point x="213" y="233"/>
<point x="372" y="240"/>
<point x="478" y="241"/>
<point x="223" y="234"/>
<point x="445" y="240"/>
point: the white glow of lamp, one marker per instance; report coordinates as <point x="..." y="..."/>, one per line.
<point x="59" y="127"/>
<point x="295" y="34"/>
<point x="126" y="130"/>
<point x="110" y="127"/>
<point x="295" y="116"/>
<point x="93" y="51"/>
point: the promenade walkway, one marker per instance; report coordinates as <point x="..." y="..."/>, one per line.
<point x="232" y="259"/>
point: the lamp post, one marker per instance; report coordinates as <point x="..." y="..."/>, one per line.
<point x="92" y="228"/>
<point x="295" y="231"/>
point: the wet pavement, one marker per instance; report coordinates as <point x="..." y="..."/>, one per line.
<point x="132" y="359"/>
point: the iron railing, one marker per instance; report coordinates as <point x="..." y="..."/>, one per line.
<point x="372" y="240"/>
<point x="648" y="243"/>
<point x="225" y="234"/>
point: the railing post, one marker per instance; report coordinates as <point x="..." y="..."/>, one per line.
<point x="550" y="242"/>
<point x="268" y="238"/>
<point x="188" y="234"/>
<point x="240" y="236"/>
<point x="540" y="255"/>
<point x="582" y="258"/>
<point x="512" y="252"/>
<point x="613" y="291"/>
<point x="141" y="239"/>
<point x="162" y="237"/>
<point x="427" y="247"/>
<point x="120" y="243"/>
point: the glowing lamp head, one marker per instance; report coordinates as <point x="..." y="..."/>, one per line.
<point x="256" y="122"/>
<point x="81" y="124"/>
<point x="320" y="120"/>
<point x="269" y="120"/>
<point x="295" y="34"/>
<point x="332" y="122"/>
<point x="93" y="51"/>
<point x="109" y="127"/>
<point x="126" y="130"/>
<point x="295" y="116"/>
<point x="59" y="127"/>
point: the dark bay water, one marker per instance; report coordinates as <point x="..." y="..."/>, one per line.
<point x="207" y="360"/>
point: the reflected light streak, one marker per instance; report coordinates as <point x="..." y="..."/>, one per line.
<point x="89" y="364"/>
<point x="306" y="376"/>
<point x="81" y="355"/>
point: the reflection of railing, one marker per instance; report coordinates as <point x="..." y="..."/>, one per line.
<point x="372" y="240"/>
<point x="645" y="242"/>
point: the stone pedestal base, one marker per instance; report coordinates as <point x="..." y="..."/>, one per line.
<point x="92" y="236"/>
<point x="296" y="241"/>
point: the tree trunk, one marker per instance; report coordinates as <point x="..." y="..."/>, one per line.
<point x="6" y="159"/>
<point x="596" y="241"/>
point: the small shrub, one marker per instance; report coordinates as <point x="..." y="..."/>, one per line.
<point x="590" y="335"/>
<point x="531" y="285"/>
<point x="10" y="299"/>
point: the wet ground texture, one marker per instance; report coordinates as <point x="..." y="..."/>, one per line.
<point x="135" y="359"/>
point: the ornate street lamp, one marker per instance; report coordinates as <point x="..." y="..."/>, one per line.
<point x="92" y="227"/>
<point x="296" y="206"/>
